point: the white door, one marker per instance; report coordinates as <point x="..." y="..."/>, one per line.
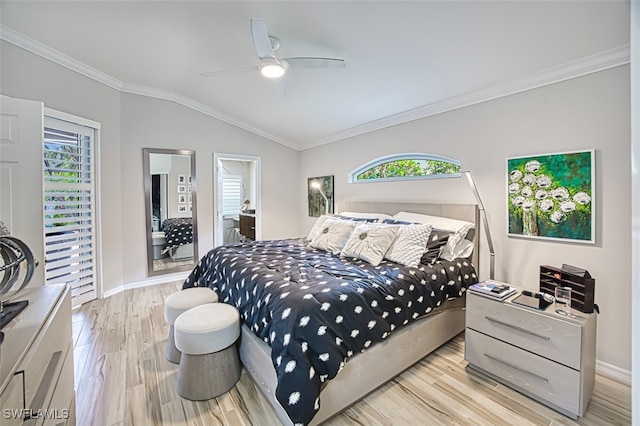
<point x="21" y="204"/>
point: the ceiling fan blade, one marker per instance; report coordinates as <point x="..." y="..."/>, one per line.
<point x="228" y="71"/>
<point x="261" y="39"/>
<point x="309" y="62"/>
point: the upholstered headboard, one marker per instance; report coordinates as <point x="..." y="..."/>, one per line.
<point x="467" y="212"/>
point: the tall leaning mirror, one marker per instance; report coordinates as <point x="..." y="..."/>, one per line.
<point x="170" y="208"/>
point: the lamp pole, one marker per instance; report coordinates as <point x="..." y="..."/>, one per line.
<point x="485" y="222"/>
<point x="318" y="187"/>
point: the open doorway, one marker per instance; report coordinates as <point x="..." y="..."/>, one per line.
<point x="237" y="199"/>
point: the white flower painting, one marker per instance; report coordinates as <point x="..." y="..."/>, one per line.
<point x="551" y="196"/>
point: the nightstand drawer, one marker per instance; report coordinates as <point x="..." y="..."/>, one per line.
<point x="556" y="384"/>
<point x="550" y="337"/>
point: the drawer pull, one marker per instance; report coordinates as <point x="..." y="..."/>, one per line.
<point x="46" y="383"/>
<point x="516" y="367"/>
<point x="524" y="330"/>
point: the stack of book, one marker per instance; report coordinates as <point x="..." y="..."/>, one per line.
<point x="494" y="289"/>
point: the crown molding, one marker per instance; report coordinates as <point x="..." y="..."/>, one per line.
<point x="14" y="37"/>
<point x="588" y="65"/>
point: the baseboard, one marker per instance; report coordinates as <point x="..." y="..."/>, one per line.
<point x="148" y="282"/>
<point x="613" y="372"/>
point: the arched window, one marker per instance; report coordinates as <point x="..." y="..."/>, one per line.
<point x="405" y="167"/>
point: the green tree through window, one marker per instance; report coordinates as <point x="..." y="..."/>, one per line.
<point x="403" y="166"/>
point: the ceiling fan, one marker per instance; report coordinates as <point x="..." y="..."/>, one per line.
<point x="270" y="65"/>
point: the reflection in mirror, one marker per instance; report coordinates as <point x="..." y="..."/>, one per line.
<point x="170" y="208"/>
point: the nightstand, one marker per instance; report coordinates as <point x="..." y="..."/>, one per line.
<point x="546" y="356"/>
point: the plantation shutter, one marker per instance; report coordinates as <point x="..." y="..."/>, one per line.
<point x="69" y="208"/>
<point x="231" y="195"/>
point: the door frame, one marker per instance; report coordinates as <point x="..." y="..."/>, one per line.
<point x="218" y="232"/>
<point x="98" y="292"/>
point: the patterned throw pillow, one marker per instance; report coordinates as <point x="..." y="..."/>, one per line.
<point x="437" y="241"/>
<point x="333" y="235"/>
<point x="370" y="242"/>
<point x="410" y="243"/>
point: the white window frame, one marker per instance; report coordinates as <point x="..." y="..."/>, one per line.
<point x="352" y="178"/>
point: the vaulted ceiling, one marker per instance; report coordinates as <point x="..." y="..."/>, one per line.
<point x="404" y="60"/>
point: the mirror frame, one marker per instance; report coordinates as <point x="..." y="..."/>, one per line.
<point x="148" y="209"/>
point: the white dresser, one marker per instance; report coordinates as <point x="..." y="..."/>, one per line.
<point x="36" y="361"/>
<point x="547" y="356"/>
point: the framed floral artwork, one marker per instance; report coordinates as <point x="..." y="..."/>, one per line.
<point x="551" y="196"/>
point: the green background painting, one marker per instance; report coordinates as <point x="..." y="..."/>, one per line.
<point x="315" y="201"/>
<point x="553" y="198"/>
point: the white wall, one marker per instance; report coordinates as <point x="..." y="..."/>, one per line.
<point x="583" y="113"/>
<point x="130" y="123"/>
<point x="153" y="123"/>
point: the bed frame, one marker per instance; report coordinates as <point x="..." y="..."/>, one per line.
<point x="416" y="340"/>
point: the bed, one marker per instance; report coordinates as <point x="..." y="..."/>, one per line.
<point x="178" y="233"/>
<point x="317" y="326"/>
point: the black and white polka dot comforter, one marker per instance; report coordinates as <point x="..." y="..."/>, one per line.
<point x="177" y="231"/>
<point x="316" y="310"/>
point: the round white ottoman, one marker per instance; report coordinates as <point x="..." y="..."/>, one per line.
<point x="210" y="366"/>
<point x="178" y="303"/>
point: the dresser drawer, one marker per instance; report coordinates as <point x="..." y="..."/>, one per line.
<point x="60" y="408"/>
<point x="11" y="402"/>
<point x="539" y="377"/>
<point x="44" y="362"/>
<point x="536" y="332"/>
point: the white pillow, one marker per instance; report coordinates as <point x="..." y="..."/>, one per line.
<point x="379" y="216"/>
<point x="333" y="235"/>
<point x="409" y="245"/>
<point x="370" y="242"/>
<point x="436" y="221"/>
<point x="317" y="227"/>
<point x="449" y="250"/>
<point x="464" y="249"/>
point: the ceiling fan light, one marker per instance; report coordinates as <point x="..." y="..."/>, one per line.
<point x="272" y="69"/>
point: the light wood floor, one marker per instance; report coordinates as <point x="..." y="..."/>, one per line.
<point x="122" y="378"/>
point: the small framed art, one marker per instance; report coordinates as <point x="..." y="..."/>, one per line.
<point x="320" y="195"/>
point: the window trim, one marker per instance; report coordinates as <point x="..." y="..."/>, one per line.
<point x="404" y="156"/>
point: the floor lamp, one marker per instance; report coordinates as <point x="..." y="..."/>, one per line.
<point x="318" y="187"/>
<point x="485" y="222"/>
